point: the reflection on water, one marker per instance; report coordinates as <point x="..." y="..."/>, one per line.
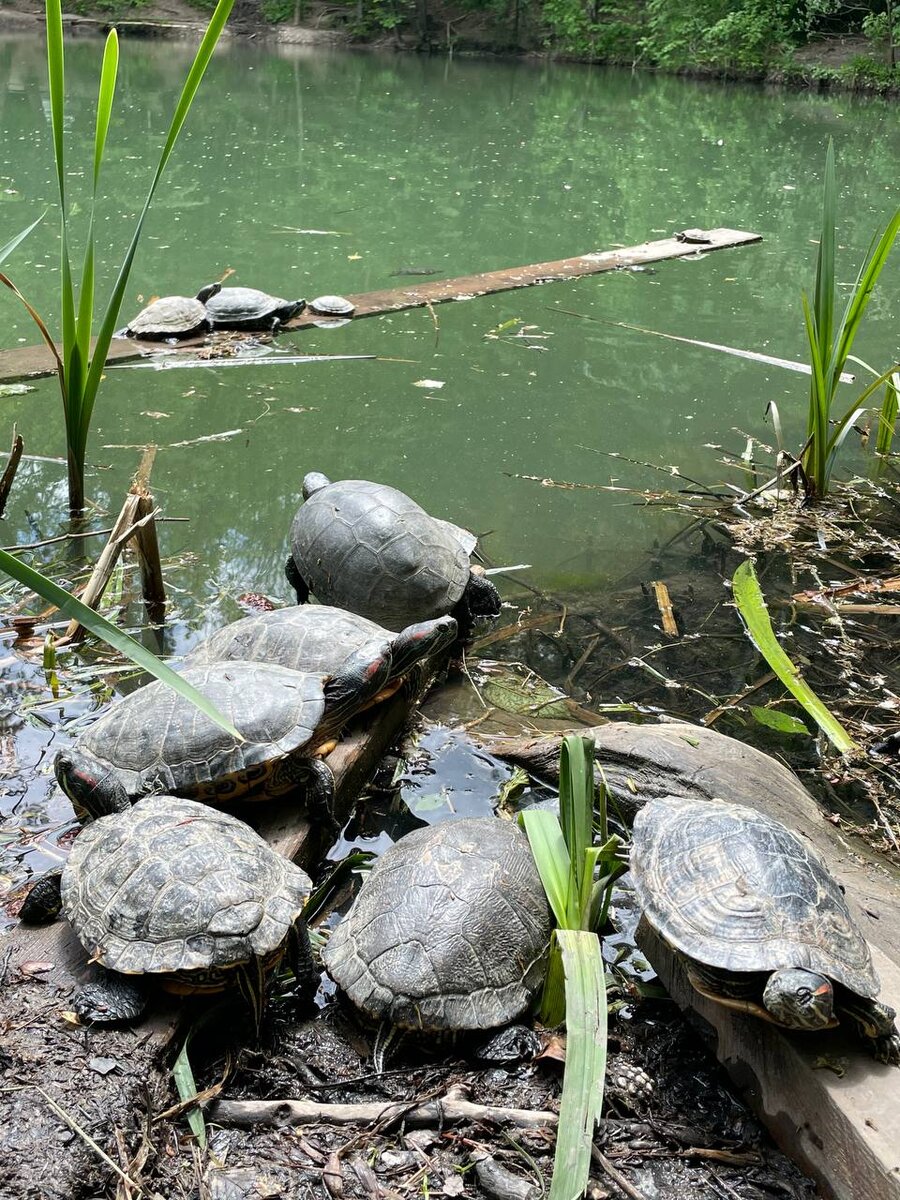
<point x="308" y="172"/>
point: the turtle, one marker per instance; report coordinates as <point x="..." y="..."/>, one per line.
<point x="248" y="308"/>
<point x="332" y="306"/>
<point x="317" y="637"/>
<point x="154" y="740"/>
<point x="693" y="237"/>
<point x="369" y="548"/>
<point x="172" y="889"/>
<point x="756" y="918"/>
<point x="449" y="931"/>
<point x="174" y="316"/>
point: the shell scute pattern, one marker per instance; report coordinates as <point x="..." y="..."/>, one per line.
<point x="735" y="889"/>
<point x="449" y="931"/>
<point x="373" y="548"/>
<point x="170" y="885"/>
<point x="157" y="741"/>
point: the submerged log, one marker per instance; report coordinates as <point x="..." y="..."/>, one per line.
<point x="105" y="1078"/>
<point x="827" y="1103"/>
<point x="32" y="362"/>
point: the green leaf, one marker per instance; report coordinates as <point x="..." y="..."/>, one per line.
<point x="582" y="1094"/>
<point x="752" y="606"/>
<point x="551" y="856"/>
<point x="6" y="251"/>
<point x="772" y="718"/>
<point x="187" y="1088"/>
<point x="73" y="608"/>
<point x="887" y="418"/>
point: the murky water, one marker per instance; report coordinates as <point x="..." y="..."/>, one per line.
<point x="321" y="172"/>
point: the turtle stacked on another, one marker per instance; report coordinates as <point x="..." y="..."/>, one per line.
<point x="371" y="549"/>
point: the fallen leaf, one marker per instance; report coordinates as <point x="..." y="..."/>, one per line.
<point x="15" y="389"/>
<point x="454" y="1185"/>
<point x="35" y="968"/>
<point x="429" y="383"/>
<point x="353" y="257"/>
<point x="301" y="409"/>
<point x="554" y="1049"/>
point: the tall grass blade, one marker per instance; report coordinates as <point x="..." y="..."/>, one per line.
<point x="576" y="811"/>
<point x="57" y="86"/>
<point x="186" y="1086"/>
<point x="824" y="295"/>
<point x="887" y="418"/>
<point x="6" y="251"/>
<point x="70" y="606"/>
<point x="751" y="605"/>
<point x="36" y="317"/>
<point x="551" y="856"/>
<point x="582" y="1094"/>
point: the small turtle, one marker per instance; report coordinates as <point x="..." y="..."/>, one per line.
<point x="316" y="637"/>
<point x="153" y="740"/>
<point x="174" y="316"/>
<point x="697" y="237"/>
<point x="759" y="923"/>
<point x="450" y="930"/>
<point x="177" y="891"/>
<point x="42" y="900"/>
<point x="371" y="549"/>
<point x="247" y="308"/>
<point x="332" y="306"/>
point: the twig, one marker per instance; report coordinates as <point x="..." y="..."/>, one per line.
<point x="71" y="537"/>
<point x="6" y="480"/>
<point x="247" y="1113"/>
<point x="616" y="1176"/>
<point x="88" y="1140"/>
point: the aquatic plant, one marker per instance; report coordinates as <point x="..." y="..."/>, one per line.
<point x="79" y="365"/>
<point x="577" y="877"/>
<point x="830" y="343"/>
<point x="6" y="251"/>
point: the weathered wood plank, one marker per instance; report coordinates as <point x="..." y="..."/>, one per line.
<point x="827" y="1104"/>
<point x="32" y="362"/>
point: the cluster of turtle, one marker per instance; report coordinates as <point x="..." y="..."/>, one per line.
<point x="217" y="307"/>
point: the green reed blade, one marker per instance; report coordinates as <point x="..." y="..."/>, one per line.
<point x="751" y="605"/>
<point x="582" y="1094"/>
<point x="551" y="856"/>
<point x="887" y="418"/>
<point x="70" y="606"/>
<point x="186" y="1086"/>
<point x="872" y="267"/>
<point x="6" y="251"/>
<point x="824" y="295"/>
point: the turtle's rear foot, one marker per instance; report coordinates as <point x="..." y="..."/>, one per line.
<point x="110" y="999"/>
<point x="296" y="580"/>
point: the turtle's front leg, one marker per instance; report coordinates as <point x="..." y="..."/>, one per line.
<point x="874" y="1023"/>
<point x="296" y="580"/>
<point x="320" y="795"/>
<point x="109" y="999"/>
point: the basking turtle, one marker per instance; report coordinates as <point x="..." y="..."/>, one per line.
<point x="155" y="741"/>
<point x="174" y="316"/>
<point x="191" y="896"/>
<point x="248" y="308"/>
<point x="316" y="637"/>
<point x="369" y="548"/>
<point x="760" y="924"/>
<point x="449" y="931"/>
<point x="332" y="306"/>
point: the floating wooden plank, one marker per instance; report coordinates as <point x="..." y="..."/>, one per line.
<point x="32" y="362"/>
<point x="40" y="966"/>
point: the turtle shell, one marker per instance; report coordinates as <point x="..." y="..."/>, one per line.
<point x="249" y="308"/>
<point x="736" y="890"/>
<point x="369" y="548"/>
<point x="157" y="741"/>
<point x="173" y="886"/>
<point x="170" y="316"/>
<point x="332" y="306"/>
<point x="449" y="930"/>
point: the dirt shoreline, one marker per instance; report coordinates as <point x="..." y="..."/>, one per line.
<point x="815" y="67"/>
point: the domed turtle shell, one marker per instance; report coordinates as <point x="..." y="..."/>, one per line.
<point x="173" y="316"/>
<point x="155" y="741"/>
<point x="737" y="890"/>
<point x="332" y="306"/>
<point x="449" y="931"/>
<point x="317" y="637"/>
<point x="370" y="548"/>
<point x="173" y="886"/>
<point x="249" y="308"/>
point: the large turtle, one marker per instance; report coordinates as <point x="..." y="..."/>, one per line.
<point x="760" y="924"/>
<point x="155" y="741"/>
<point x="249" y="308"/>
<point x="178" y="891"/>
<point x="449" y="931"/>
<point x="174" y="316"/>
<point x="369" y="548"/>
<point x="317" y="637"/>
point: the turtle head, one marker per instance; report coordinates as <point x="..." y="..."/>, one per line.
<point x="419" y="641"/>
<point x="482" y="597"/>
<point x="93" y="787"/>
<point x="360" y="679"/>
<point x="800" y="999"/>
<point x="207" y="293"/>
<point x="313" y="482"/>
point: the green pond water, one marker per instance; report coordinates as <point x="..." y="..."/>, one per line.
<point x="307" y="172"/>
